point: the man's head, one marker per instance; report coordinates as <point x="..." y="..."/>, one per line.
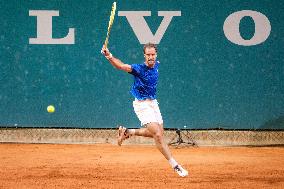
<point x="150" y="54"/>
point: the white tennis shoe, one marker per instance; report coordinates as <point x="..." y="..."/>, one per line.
<point x="181" y="171"/>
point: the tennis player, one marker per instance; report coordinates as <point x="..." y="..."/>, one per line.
<point x="145" y="103"/>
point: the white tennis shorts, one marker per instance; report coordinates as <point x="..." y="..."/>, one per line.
<point x="147" y="111"/>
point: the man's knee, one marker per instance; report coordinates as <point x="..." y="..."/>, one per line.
<point x="159" y="137"/>
<point x="156" y="131"/>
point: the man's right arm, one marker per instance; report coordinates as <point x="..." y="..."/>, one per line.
<point x="115" y="61"/>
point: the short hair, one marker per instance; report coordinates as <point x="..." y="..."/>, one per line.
<point x="150" y="45"/>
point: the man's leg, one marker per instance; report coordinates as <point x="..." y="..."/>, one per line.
<point x="157" y="132"/>
<point x="140" y="132"/>
<point x="153" y="130"/>
<point x="124" y="133"/>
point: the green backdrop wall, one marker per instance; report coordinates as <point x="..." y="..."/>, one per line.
<point x="206" y="80"/>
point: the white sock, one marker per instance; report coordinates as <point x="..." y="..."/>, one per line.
<point x="131" y="132"/>
<point x="173" y="162"/>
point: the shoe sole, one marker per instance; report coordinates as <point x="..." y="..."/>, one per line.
<point x="120" y="133"/>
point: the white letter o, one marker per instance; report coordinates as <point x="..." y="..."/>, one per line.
<point x="232" y="32"/>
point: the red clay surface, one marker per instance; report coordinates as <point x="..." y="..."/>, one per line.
<point x="109" y="166"/>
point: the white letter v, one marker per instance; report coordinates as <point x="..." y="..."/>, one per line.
<point x="141" y="28"/>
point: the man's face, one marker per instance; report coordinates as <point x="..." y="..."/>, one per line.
<point x="150" y="56"/>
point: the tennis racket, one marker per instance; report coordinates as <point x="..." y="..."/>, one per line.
<point x="111" y="19"/>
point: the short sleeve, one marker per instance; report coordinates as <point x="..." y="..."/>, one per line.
<point x="135" y="69"/>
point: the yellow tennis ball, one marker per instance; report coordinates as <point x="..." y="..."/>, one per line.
<point x="50" y="109"/>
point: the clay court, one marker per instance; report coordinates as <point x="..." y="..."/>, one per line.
<point x="138" y="166"/>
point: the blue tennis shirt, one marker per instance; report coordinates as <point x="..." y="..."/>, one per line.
<point x="145" y="81"/>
